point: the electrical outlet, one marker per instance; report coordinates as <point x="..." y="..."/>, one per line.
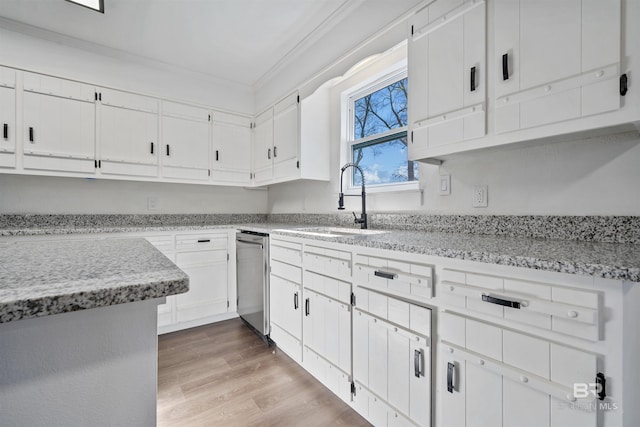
<point x="445" y="185"/>
<point x="480" y="196"/>
<point x="152" y="203"/>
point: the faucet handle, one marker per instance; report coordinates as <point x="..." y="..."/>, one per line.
<point x="357" y="220"/>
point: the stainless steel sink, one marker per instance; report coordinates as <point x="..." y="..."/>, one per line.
<point x="338" y="231"/>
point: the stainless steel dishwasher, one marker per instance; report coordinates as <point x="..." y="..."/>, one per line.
<point x="252" y="257"/>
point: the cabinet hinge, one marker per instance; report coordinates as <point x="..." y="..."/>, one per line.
<point x="353" y="388"/>
<point x="353" y="299"/>
<point x="298" y="164"/>
<point x="623" y="85"/>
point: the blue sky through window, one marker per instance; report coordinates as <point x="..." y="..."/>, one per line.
<point x="383" y="161"/>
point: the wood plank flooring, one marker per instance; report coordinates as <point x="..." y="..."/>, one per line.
<point x="224" y="375"/>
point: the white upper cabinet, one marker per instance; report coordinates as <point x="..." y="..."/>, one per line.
<point x="555" y="61"/>
<point x="231" y="149"/>
<point x="185" y="142"/>
<point x="7" y="117"/>
<point x="286" y="136"/>
<point x="447" y="74"/>
<point x="128" y="134"/>
<point x="292" y="139"/>
<point x="58" y="124"/>
<point x="263" y="147"/>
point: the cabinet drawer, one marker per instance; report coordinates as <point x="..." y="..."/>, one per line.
<point x="329" y="262"/>
<point x="286" y="251"/>
<point x="545" y="366"/>
<point x="414" y="318"/>
<point x="163" y="243"/>
<point x="328" y="286"/>
<point x="197" y="242"/>
<point x="286" y="271"/>
<point x="561" y="309"/>
<point x="203" y="258"/>
<point x="410" y="279"/>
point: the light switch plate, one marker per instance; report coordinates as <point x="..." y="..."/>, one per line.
<point x="444" y="185"/>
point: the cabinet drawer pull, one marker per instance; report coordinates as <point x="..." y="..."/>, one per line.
<point x="30" y="134"/>
<point x="473" y="79"/>
<point x="295" y="301"/>
<point x="6" y="131"/>
<point x="385" y="275"/>
<point x="204" y="240"/>
<point x="505" y="66"/>
<point x="152" y="148"/>
<point x="418" y="363"/>
<point x="500" y="301"/>
<point x="306" y="307"/>
<point x="450" y="368"/>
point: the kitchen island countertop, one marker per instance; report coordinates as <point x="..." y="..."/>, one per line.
<point x="41" y="278"/>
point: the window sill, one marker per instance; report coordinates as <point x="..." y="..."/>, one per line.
<point x="386" y="188"/>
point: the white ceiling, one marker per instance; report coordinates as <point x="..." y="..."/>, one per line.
<point x="236" y="40"/>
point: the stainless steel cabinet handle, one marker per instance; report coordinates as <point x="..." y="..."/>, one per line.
<point x="385" y="275"/>
<point x="418" y="363"/>
<point x="450" y="368"/>
<point x="500" y="301"/>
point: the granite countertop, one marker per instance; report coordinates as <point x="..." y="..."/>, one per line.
<point x="607" y="260"/>
<point x="41" y="278"/>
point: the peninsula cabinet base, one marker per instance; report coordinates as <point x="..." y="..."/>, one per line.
<point x="94" y="367"/>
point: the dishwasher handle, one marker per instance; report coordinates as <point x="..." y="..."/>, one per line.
<point x="249" y="242"/>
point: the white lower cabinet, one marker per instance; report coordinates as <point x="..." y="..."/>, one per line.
<point x="499" y="377"/>
<point x="392" y="368"/>
<point x="285" y="297"/>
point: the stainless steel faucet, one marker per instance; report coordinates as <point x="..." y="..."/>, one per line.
<point x="363" y="216"/>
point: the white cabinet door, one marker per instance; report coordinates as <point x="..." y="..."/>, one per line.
<point x="286" y="136"/>
<point x="58" y="124"/>
<point x="263" y="147"/>
<point x="128" y="134"/>
<point x="207" y="295"/>
<point x="231" y="149"/>
<point x="286" y="306"/>
<point x="555" y="61"/>
<point x="447" y="74"/>
<point x="7" y="118"/>
<point x="185" y="142"/>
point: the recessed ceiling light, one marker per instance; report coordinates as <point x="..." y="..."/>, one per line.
<point x="97" y="5"/>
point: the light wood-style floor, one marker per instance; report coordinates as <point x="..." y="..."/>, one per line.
<point x="224" y="375"/>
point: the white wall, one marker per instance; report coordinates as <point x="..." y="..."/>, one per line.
<point x="51" y="195"/>
<point x="77" y="60"/>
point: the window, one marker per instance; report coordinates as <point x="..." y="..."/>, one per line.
<point x="378" y="133"/>
<point x="97" y="5"/>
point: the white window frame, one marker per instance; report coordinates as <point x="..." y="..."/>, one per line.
<point x="370" y="85"/>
